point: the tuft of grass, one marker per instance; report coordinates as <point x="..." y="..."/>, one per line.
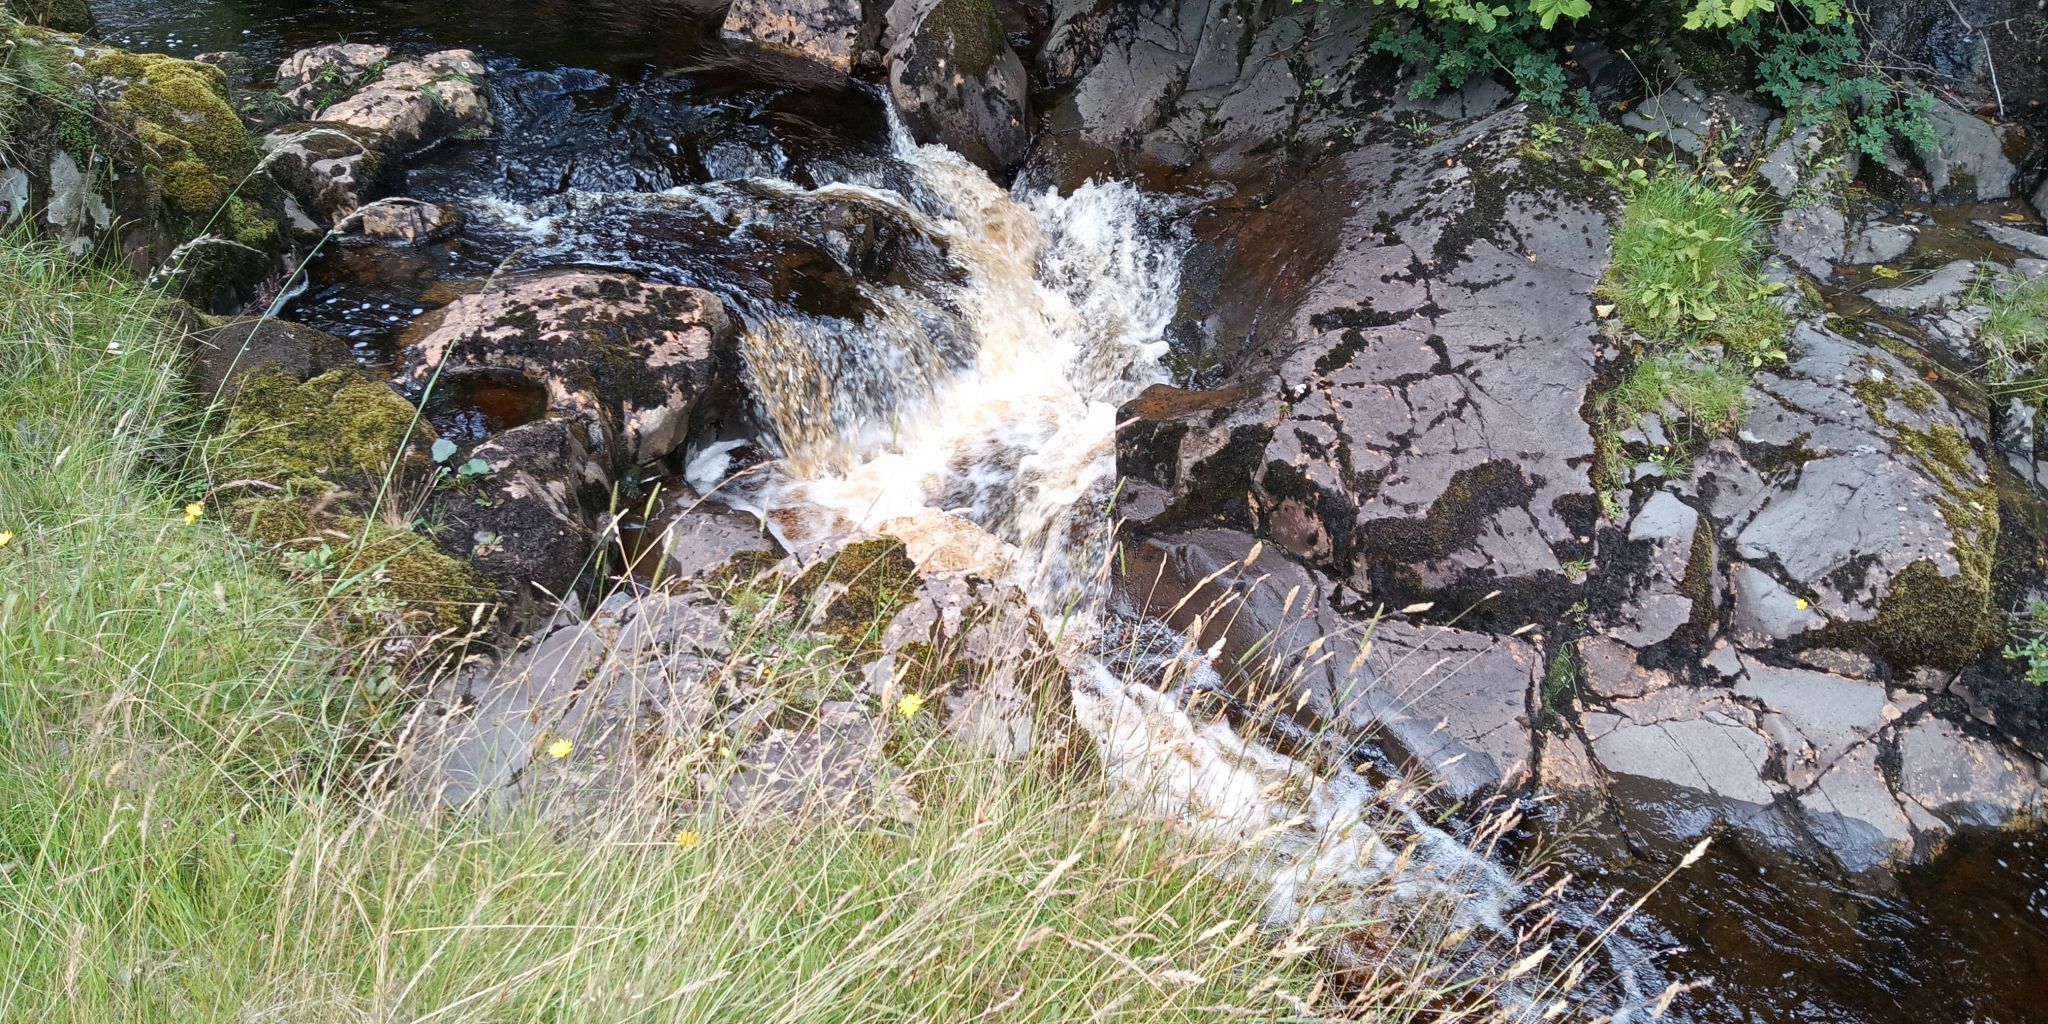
<point x="2015" y="339"/>
<point x="1686" y="271"/>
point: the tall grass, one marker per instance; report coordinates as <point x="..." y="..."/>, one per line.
<point x="181" y="838"/>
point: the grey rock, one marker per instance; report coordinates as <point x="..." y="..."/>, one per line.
<point x="1419" y="435"/>
<point x="706" y="536"/>
<point x="829" y="32"/>
<point x="2041" y="198"/>
<point x="2007" y="235"/>
<point x="1824" y="716"/>
<point x="1657" y="604"/>
<point x="1880" y="243"/>
<point x="1448" y="702"/>
<point x="1765" y="611"/>
<point x="1967" y="162"/>
<point x="1940" y="290"/>
<point x="1852" y="812"/>
<point x="1611" y="670"/>
<point x="1688" y="116"/>
<point x="577" y="334"/>
<point x="831" y="770"/>
<point x="314" y="77"/>
<point x="529" y="521"/>
<point x="611" y="686"/>
<point x="1965" y="780"/>
<point x="416" y="103"/>
<point x="1724" y="661"/>
<point x="1812" y="238"/>
<point x="14" y="193"/>
<point x="956" y="81"/>
<point x="1680" y="761"/>
<point x="1800" y="158"/>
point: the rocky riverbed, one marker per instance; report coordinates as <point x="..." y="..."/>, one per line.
<point x="958" y="294"/>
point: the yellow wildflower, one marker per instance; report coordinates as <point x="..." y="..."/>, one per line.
<point x="559" y="749"/>
<point x="6" y="538"/>
<point x="910" y="705"/>
<point x="194" y="511"/>
<point x="688" y="839"/>
<point x="1802" y="603"/>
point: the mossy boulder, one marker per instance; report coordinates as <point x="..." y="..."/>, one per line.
<point x="141" y="155"/>
<point x="956" y="80"/>
<point x="62" y="15"/>
<point x="343" y="428"/>
<point x="382" y="569"/>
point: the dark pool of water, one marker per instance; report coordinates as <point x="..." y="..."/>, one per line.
<point x="637" y="96"/>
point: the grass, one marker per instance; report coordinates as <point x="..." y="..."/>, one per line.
<point x="1685" y="280"/>
<point x="185" y="833"/>
<point x="2015" y="338"/>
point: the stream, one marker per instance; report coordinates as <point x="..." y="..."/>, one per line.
<point x="940" y="356"/>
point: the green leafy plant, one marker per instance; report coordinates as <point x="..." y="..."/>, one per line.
<point x="1818" y="73"/>
<point x="2030" y="641"/>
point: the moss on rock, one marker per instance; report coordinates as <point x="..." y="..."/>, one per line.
<point x="62" y="15"/>
<point x="343" y="427"/>
<point x="869" y="582"/>
<point x="192" y="146"/>
<point x="381" y="565"/>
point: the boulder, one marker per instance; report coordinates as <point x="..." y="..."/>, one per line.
<point x="313" y="78"/>
<point x="1943" y="289"/>
<point x="1868" y="500"/>
<point x="416" y="103"/>
<point x="1968" y="161"/>
<point x="1681" y="760"/>
<point x="1406" y="413"/>
<point x="2041" y="198"/>
<point x="528" y="520"/>
<point x="1880" y="243"/>
<point x="956" y="81"/>
<point x="833" y="33"/>
<point x="1963" y="779"/>
<point x="331" y="168"/>
<point x="625" y="361"/>
<point x="401" y="221"/>
<point x="222" y="355"/>
<point x="832" y="769"/>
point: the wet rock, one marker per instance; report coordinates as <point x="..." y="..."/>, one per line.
<point x="1812" y="238"/>
<point x="1880" y="243"/>
<point x="401" y="221"/>
<point x="1450" y="703"/>
<point x="1675" y="582"/>
<point x="1965" y="780"/>
<point x="830" y="32"/>
<point x="831" y="770"/>
<point x="2024" y="241"/>
<point x="624" y="360"/>
<point x="1691" y="118"/>
<point x="1940" y="290"/>
<point x="1883" y="514"/>
<point x="1410" y="412"/>
<point x="223" y="354"/>
<point x="526" y="521"/>
<point x="707" y="536"/>
<point x="1852" y="813"/>
<point x="2041" y="198"/>
<point x="621" y="688"/>
<point x="312" y="78"/>
<point x="416" y="103"/>
<point x="1968" y="161"/>
<point x="331" y="168"/>
<point x="956" y="80"/>
<point x="1680" y="761"/>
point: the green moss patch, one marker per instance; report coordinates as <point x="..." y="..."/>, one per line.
<point x="383" y="568"/>
<point x="343" y="427"/>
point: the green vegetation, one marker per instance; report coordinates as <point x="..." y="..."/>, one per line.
<point x="2015" y="338"/>
<point x="2029" y="632"/>
<point x="187" y="834"/>
<point x="1685" y="280"/>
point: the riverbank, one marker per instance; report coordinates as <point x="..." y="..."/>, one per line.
<point x="189" y="834"/>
